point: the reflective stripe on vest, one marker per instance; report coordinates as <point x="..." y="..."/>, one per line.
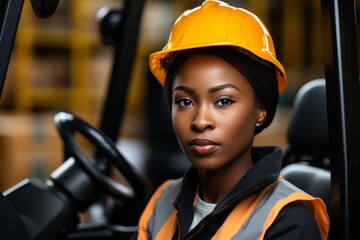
<point x="165" y="222"/>
<point x="149" y="219"/>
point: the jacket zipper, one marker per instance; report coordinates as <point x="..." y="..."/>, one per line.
<point x="204" y="223"/>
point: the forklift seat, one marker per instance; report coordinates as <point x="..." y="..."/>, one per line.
<point x="306" y="162"/>
<point x="308" y="127"/>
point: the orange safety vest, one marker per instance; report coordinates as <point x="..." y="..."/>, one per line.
<point x="248" y="220"/>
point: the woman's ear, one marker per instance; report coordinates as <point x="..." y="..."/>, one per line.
<point x="261" y="115"/>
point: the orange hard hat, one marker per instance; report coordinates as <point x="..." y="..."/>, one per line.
<point x="216" y="23"/>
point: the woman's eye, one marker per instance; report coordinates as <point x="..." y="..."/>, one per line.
<point x="224" y="102"/>
<point x="184" y="102"/>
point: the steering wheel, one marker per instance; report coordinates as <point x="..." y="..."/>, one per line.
<point x="67" y="124"/>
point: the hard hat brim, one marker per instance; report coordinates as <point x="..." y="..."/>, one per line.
<point x="159" y="71"/>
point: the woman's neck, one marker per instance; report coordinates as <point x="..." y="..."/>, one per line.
<point x="215" y="185"/>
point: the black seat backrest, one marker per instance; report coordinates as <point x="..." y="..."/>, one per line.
<point x="306" y="162"/>
<point x="307" y="134"/>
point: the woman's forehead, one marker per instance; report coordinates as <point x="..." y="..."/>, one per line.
<point x="207" y="69"/>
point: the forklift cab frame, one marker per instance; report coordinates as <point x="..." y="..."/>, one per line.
<point x="341" y="64"/>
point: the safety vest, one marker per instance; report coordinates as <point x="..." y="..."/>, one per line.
<point x="248" y="220"/>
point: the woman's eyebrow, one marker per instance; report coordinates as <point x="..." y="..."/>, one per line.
<point x="183" y="88"/>
<point x="220" y="87"/>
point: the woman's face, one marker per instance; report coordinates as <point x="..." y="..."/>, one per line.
<point x="214" y="112"/>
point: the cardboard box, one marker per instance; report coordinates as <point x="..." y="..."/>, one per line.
<point x="29" y="148"/>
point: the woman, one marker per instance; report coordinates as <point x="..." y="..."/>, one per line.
<point x="222" y="82"/>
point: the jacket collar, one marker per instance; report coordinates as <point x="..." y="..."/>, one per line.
<point x="265" y="171"/>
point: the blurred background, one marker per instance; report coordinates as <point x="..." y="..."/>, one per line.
<point x="61" y="64"/>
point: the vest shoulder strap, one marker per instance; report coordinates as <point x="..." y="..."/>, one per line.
<point x="147" y="222"/>
<point x="264" y="208"/>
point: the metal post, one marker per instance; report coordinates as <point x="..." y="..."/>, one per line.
<point x="10" y="11"/>
<point x="125" y="50"/>
<point x="343" y="96"/>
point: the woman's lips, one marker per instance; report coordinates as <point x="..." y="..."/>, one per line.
<point x="203" y="146"/>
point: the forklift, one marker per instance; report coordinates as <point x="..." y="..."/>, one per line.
<point x="34" y="210"/>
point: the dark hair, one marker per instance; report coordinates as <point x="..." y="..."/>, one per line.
<point x="261" y="76"/>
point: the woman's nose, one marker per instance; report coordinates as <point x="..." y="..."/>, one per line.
<point x="203" y="120"/>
